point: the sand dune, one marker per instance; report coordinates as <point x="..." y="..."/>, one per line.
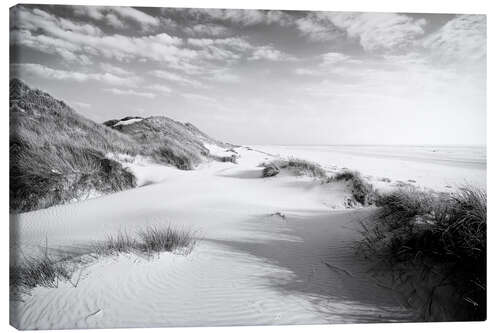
<point x="250" y="266"/>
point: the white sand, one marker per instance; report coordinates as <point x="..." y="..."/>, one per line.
<point x="128" y="122"/>
<point x="249" y="266"/>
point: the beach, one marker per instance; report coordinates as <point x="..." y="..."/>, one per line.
<point x="277" y="250"/>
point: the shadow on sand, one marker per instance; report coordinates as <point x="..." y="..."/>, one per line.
<point x="318" y="249"/>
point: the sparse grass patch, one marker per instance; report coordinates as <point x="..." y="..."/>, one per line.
<point x="430" y="230"/>
<point x="362" y="191"/>
<point x="152" y="239"/>
<point x="42" y="271"/>
<point x="46" y="271"/>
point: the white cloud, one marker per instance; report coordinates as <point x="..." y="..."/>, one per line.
<point x="130" y="92"/>
<point x="245" y="17"/>
<point x="33" y="19"/>
<point x="67" y="50"/>
<point x="333" y="58"/>
<point x="159" y="47"/>
<point x="210" y="29"/>
<point x="228" y="50"/>
<point x="175" y="78"/>
<point x="160" y="88"/>
<point x="224" y="75"/>
<point x="376" y="32"/>
<point x="109" y="68"/>
<point x="28" y="69"/>
<point x="462" y="39"/>
<point x="379" y="31"/>
<point x="305" y="71"/>
<point x="114" y="21"/>
<point x="317" y="28"/>
<point x="269" y="53"/>
<point x="114" y="16"/>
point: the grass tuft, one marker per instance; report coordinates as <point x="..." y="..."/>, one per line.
<point x="154" y="239"/>
<point x="362" y="191"/>
<point x="299" y="166"/>
<point x="436" y="230"/>
<point x="33" y="272"/>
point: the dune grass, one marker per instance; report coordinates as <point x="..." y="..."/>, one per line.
<point x="150" y="240"/>
<point x="362" y="191"/>
<point x="436" y="230"/>
<point x="33" y="272"/>
<point x="47" y="271"/>
<point x="299" y="166"/>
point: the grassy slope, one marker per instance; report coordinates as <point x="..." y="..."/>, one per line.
<point x="167" y="141"/>
<point x="57" y="155"/>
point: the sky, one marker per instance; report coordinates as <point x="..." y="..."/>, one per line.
<point x="263" y="77"/>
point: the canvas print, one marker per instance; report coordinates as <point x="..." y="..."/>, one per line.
<point x="217" y="167"/>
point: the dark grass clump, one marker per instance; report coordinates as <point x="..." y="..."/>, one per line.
<point x="362" y="191"/>
<point x="39" y="272"/>
<point x="444" y="235"/>
<point x="154" y="239"/>
<point x="299" y="166"/>
<point x="33" y="272"/>
<point x="270" y="170"/>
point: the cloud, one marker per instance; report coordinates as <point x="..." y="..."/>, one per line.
<point x="28" y="69"/>
<point x="223" y="75"/>
<point x="329" y="63"/>
<point x="169" y="76"/>
<point x="333" y="58"/>
<point x="210" y="29"/>
<point x="160" y="88"/>
<point x="376" y="32"/>
<point x="160" y="47"/>
<point x="379" y="31"/>
<point x="33" y="19"/>
<point x="114" y="21"/>
<point x="109" y="68"/>
<point x="236" y="43"/>
<point x="245" y="17"/>
<point x="114" y="16"/>
<point x="221" y="49"/>
<point x="66" y="50"/>
<point x="317" y="28"/>
<point x="269" y="53"/>
<point x="305" y="71"/>
<point x="462" y="39"/>
<point x="199" y="98"/>
<point x="130" y="92"/>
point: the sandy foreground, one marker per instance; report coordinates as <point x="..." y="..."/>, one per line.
<point x="249" y="267"/>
